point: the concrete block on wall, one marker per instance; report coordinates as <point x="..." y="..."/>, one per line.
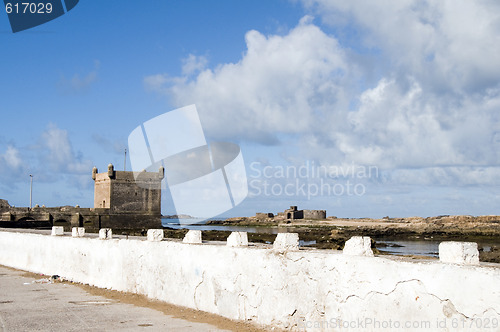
<point x="77" y="231"/>
<point x="105" y="234"/>
<point x="237" y="239"/>
<point x="57" y="230"/>
<point x="286" y="241"/>
<point x="155" y="235"/>
<point x="358" y="246"/>
<point x="459" y="252"/>
<point x="192" y="236"/>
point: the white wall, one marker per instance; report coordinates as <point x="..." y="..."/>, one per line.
<point x="307" y="289"/>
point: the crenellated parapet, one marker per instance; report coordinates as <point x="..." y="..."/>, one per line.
<point x="464" y="253"/>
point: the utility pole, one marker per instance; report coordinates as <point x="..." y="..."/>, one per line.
<point x="125" y="161"/>
<point x="31" y="191"/>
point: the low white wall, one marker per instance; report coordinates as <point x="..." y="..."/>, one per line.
<point x="302" y="290"/>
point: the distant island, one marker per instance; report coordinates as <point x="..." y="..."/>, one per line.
<point x="178" y="216"/>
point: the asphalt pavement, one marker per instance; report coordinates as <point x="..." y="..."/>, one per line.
<point x="39" y="304"/>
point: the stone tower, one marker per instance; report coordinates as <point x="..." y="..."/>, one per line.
<point x="131" y="198"/>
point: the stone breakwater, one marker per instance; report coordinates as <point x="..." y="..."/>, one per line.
<point x="275" y="285"/>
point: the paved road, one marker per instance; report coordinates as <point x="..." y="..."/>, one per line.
<point x="28" y="304"/>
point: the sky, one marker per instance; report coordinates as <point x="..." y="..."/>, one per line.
<point x="362" y="108"/>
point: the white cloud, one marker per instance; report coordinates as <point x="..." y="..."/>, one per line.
<point x="58" y="153"/>
<point x="50" y="158"/>
<point x="61" y="175"/>
<point x="437" y="99"/>
<point x="77" y="83"/>
<point x="412" y="128"/>
<point x="447" y="176"/>
<point x="11" y="157"/>
<point x="12" y="168"/>
<point x="430" y="114"/>
<point x="193" y="64"/>
<point x="155" y="82"/>
<point x="452" y="45"/>
<point x="281" y="85"/>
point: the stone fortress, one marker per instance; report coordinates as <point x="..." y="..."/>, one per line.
<point x="293" y="214"/>
<point x="122" y="200"/>
<point x="124" y="192"/>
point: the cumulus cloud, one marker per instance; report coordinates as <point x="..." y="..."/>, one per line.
<point x="407" y="127"/>
<point x="11" y="166"/>
<point x="419" y="95"/>
<point x="193" y="64"/>
<point x="57" y="152"/>
<point x="437" y="99"/>
<point x="281" y="85"/>
<point x="156" y="82"/>
<point x="53" y="162"/>
<point x="448" y="44"/>
<point x="52" y="153"/>
<point x="11" y="158"/>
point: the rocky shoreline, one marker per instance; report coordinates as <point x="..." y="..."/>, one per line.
<point x="447" y="226"/>
<point x="332" y="232"/>
<point x="334" y="238"/>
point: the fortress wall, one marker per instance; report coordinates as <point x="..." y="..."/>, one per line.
<point x="314" y="214"/>
<point x="129" y="194"/>
<point x="264" y="215"/>
<point x="123" y="192"/>
<point x="102" y="190"/>
<point x="312" y="290"/>
<point x="4" y="205"/>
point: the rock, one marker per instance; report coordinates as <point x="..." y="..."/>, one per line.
<point x="492" y="256"/>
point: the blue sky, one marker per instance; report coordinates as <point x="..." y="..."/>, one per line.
<point x="409" y="88"/>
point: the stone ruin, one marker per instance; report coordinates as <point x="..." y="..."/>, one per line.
<point x="293" y="213"/>
<point x="4" y="205"/>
